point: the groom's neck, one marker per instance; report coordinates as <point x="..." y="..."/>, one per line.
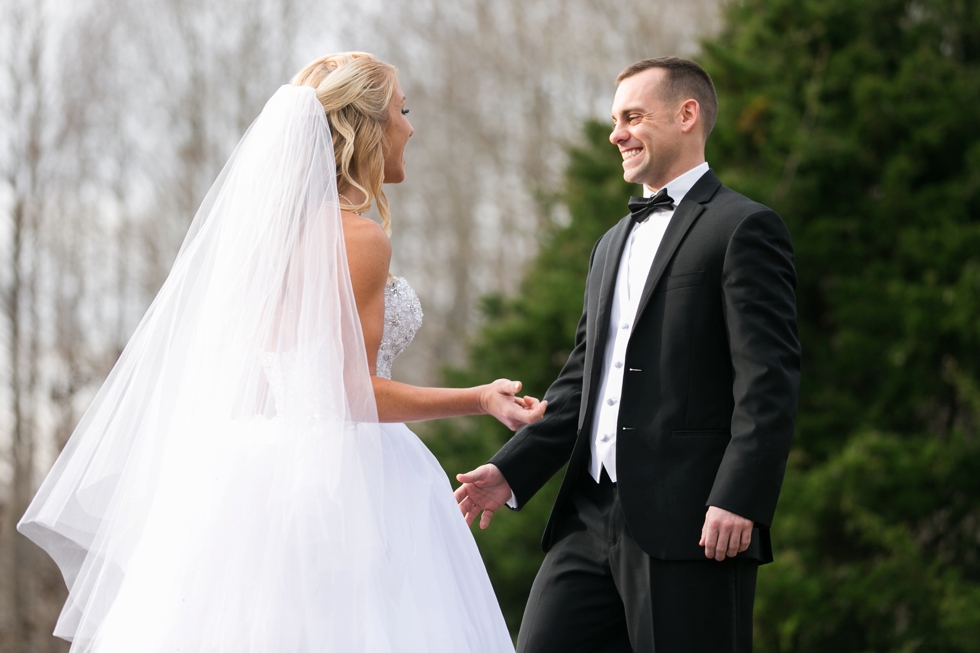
<point x="678" y="167"/>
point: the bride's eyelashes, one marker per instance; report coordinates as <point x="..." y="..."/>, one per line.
<point x="404" y="112"/>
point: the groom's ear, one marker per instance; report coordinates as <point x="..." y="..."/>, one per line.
<point x="689" y="115"/>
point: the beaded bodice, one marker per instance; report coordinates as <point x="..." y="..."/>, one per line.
<point x="403" y="317"/>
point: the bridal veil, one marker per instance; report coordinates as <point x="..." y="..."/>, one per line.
<point x="239" y="415"/>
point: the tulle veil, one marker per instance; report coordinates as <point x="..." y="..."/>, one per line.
<point x="241" y="405"/>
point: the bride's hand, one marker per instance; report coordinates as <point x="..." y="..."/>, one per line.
<point x="500" y="400"/>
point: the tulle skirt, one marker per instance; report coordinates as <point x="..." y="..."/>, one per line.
<point x="265" y="544"/>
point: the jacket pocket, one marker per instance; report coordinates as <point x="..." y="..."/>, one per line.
<point x="684" y="280"/>
<point x="714" y="433"/>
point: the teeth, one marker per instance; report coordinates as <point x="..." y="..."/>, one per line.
<point x="629" y="154"/>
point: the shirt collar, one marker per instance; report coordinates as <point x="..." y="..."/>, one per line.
<point x="677" y="188"/>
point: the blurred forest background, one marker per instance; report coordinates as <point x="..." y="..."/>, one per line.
<point x="855" y="119"/>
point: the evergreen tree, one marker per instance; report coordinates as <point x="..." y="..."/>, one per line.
<point x="856" y="121"/>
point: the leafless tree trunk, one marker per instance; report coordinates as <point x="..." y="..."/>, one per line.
<point x="26" y="176"/>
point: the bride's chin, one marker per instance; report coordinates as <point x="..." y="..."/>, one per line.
<point x="395" y="178"/>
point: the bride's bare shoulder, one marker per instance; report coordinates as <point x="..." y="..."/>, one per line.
<point x="368" y="247"/>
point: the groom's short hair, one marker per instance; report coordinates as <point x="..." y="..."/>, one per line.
<point x="683" y="78"/>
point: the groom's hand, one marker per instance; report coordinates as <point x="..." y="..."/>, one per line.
<point x="484" y="489"/>
<point x="724" y="534"/>
<point x="500" y="400"/>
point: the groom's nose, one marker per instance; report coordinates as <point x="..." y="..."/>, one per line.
<point x="618" y="135"/>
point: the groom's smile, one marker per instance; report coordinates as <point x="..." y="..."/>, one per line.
<point x="630" y="153"/>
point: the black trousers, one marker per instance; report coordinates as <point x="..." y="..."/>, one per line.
<point x="598" y="592"/>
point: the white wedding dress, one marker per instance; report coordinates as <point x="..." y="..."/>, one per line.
<point x="408" y="578"/>
<point x="230" y="489"/>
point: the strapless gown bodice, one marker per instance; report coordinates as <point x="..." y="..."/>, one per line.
<point x="403" y="317"/>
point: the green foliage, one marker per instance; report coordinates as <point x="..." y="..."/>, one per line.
<point x="877" y="550"/>
<point x="529" y="337"/>
<point x="857" y="121"/>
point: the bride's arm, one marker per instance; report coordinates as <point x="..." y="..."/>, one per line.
<point x="369" y="255"/>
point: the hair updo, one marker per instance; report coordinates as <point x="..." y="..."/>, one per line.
<point x="355" y="89"/>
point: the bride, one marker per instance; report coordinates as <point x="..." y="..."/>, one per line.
<point x="240" y="483"/>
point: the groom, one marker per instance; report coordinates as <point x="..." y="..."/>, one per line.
<point x="675" y="409"/>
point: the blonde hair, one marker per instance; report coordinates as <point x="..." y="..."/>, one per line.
<point x="355" y="89"/>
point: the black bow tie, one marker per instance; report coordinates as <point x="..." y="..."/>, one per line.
<point x="642" y="207"/>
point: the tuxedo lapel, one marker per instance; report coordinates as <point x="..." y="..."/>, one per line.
<point x="602" y="308"/>
<point x="607" y="288"/>
<point x="690" y="209"/>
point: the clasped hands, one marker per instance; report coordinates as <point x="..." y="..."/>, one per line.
<point x="485" y="490"/>
<point x="500" y="400"/>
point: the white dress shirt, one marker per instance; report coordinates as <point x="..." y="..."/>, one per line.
<point x="634" y="267"/>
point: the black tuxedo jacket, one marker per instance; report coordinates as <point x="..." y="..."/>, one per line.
<point x="711" y="382"/>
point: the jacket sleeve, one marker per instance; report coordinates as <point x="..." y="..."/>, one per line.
<point x="536" y="452"/>
<point x="759" y="303"/>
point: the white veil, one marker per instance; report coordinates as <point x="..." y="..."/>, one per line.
<point x="242" y="405"/>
